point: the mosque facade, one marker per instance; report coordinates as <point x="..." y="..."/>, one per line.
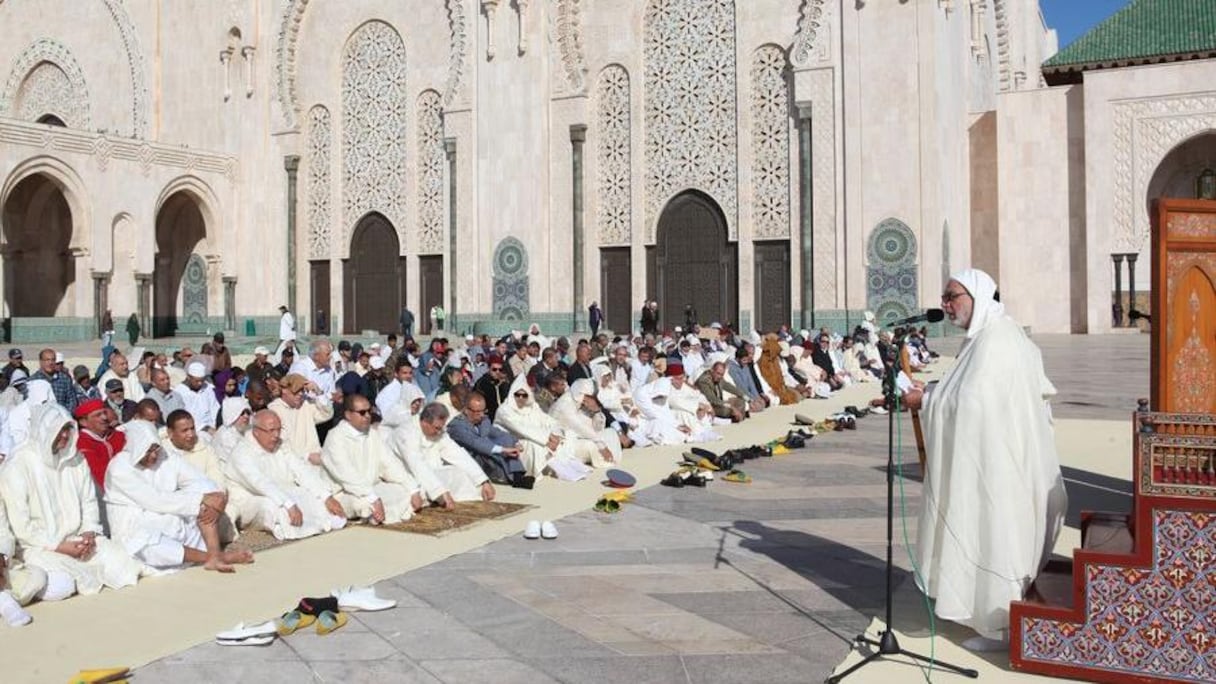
<point x="765" y="161"/>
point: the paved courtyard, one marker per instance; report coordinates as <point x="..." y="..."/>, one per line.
<point x="767" y="582"/>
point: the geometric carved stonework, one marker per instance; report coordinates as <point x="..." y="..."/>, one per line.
<point x="691" y="132"/>
<point x="431" y="162"/>
<point x="46" y="79"/>
<point x="614" y="207"/>
<point x="374" y="116"/>
<point x="320" y="210"/>
<point x="891" y="272"/>
<point x="770" y="144"/>
<point x="194" y="294"/>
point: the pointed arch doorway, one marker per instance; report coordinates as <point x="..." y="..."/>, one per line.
<point x="179" y="289"/>
<point x="693" y="262"/>
<point x="373" y="277"/>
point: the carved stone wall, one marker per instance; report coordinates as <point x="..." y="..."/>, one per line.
<point x="566" y="31"/>
<point x="458" y="52"/>
<point x="691" y="124"/>
<point x="510" y="281"/>
<point x="46" y="79"/>
<point x="770" y="144"/>
<point x="1144" y="132"/>
<point x="141" y="103"/>
<point x="891" y="275"/>
<point x="823" y="186"/>
<point x="614" y="157"/>
<point x="374" y="119"/>
<point x="320" y="208"/>
<point x="812" y="43"/>
<point x="431" y="162"/>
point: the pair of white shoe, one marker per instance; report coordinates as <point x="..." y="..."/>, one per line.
<point x="248" y="635"/>
<point x="538" y="530"/>
<point x="361" y="598"/>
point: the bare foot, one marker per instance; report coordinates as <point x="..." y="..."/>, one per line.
<point x="241" y="556"/>
<point x="218" y="565"/>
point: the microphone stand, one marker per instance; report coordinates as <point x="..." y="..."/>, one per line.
<point x="887" y="643"/>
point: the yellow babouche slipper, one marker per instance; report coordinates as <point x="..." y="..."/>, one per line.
<point x="293" y="621"/>
<point x="619" y="496"/>
<point x="329" y="621"/>
<point x="780" y="450"/>
<point x="107" y="675"/>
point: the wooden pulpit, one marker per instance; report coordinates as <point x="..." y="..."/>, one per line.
<point x="1137" y="601"/>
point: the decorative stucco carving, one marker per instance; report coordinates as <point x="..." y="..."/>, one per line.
<point x="691" y="138"/>
<point x="105" y="149"/>
<point x="374" y="118"/>
<point x="1004" y="47"/>
<point x="46" y="79"/>
<point x="488" y="7"/>
<point x="458" y="52"/>
<point x="511" y="293"/>
<point x="1144" y="132"/>
<point x="614" y="157"/>
<point x="285" y="71"/>
<point x="568" y="33"/>
<point x="770" y="144"/>
<point x="137" y="67"/>
<point x="891" y="272"/>
<point x="812" y="42"/>
<point x="432" y="159"/>
<point x="320" y="159"/>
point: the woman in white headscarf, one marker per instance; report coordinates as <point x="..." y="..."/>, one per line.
<point x="993" y="500"/>
<point x="53" y="509"/>
<point x="579" y="414"/>
<point x="541" y="438"/>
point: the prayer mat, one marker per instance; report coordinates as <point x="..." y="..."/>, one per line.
<point x="436" y="522"/>
<point x="257" y="541"/>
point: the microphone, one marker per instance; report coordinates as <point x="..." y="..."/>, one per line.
<point x="929" y="316"/>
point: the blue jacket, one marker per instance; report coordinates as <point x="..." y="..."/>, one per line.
<point x="742" y="378"/>
<point x="480" y="440"/>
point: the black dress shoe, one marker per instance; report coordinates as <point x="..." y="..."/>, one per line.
<point x="522" y="481"/>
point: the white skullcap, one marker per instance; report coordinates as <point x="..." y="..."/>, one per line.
<point x="58" y="357"/>
<point x="679" y="330"/>
<point x="692" y="339"/>
<point x="196" y="370"/>
<point x="717" y="357"/>
<point x="715" y="325"/>
<point x="377" y="362"/>
<point x="374" y="345"/>
<point x="261" y="351"/>
<point x="869" y="316"/>
<point x="804" y="334"/>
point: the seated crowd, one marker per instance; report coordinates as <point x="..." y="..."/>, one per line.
<point x="109" y="476"/>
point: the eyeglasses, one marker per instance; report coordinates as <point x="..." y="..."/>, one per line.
<point x="246" y="412"/>
<point x="495" y="369"/>
<point x="948" y="297"/>
<point x="362" y="412"/>
<point x="521" y="395"/>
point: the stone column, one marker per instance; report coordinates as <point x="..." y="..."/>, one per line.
<point x="230" y="303"/>
<point x="1117" y="309"/>
<point x="806" y="222"/>
<point x="578" y="137"/>
<point x="291" y="163"/>
<point x="449" y="147"/>
<point x="100" y="299"/>
<point x="143" y="297"/>
<point x="1131" y="284"/>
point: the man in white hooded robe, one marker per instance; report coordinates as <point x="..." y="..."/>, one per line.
<point x="994" y="499"/>
<point x="163" y="510"/>
<point x="52" y="506"/>
<point x="579" y="414"/>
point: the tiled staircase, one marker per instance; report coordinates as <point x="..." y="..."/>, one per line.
<point x="1138" y="601"/>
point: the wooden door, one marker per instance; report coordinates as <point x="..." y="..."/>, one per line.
<point x="772" y="285"/>
<point x="1184" y="306"/>
<point x="318" y="287"/>
<point x="694" y="262"/>
<point x="373" y="277"/>
<point x="616" y="288"/>
<point x="430" y="283"/>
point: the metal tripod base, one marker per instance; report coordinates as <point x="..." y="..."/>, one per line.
<point x="888" y="645"/>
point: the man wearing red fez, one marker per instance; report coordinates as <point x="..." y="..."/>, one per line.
<point x="98" y="441"/>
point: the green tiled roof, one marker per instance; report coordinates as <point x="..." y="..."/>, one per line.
<point x="1141" y="31"/>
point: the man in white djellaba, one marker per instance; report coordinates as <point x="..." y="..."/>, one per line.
<point x="162" y="509"/>
<point x="273" y="489"/>
<point x="994" y="498"/>
<point x="51" y="503"/>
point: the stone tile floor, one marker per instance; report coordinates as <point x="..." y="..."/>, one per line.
<point x="765" y="582"/>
